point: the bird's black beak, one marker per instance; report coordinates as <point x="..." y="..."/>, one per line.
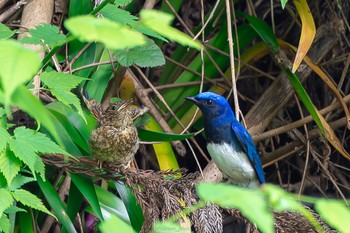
<point x="192" y="99"/>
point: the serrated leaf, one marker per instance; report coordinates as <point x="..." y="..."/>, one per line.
<point x="5" y="224"/>
<point x="5" y="200"/>
<point x="4" y="138"/>
<point x="28" y="143"/>
<point x="29" y="199"/>
<point x="118" y="15"/>
<point x="19" y="181"/>
<point x="149" y="55"/>
<point x="335" y="213"/>
<point x="60" y="85"/>
<point x="147" y="31"/>
<point x="112" y="34"/>
<point x="46" y="34"/>
<point x="251" y="203"/>
<point x="122" y="2"/>
<point x="14" y="209"/>
<point x="160" y="23"/>
<point x="25" y="152"/>
<point x="5" y="32"/>
<point x="14" y="66"/>
<point x="113" y="223"/>
<point x="9" y="165"/>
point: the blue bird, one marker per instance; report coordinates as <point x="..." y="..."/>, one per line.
<point x="228" y="142"/>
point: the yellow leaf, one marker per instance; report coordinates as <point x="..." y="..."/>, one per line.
<point x="308" y="31"/>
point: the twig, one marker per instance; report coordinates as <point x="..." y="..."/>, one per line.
<point x="12" y="10"/>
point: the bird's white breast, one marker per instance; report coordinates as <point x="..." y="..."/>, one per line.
<point x="235" y="165"/>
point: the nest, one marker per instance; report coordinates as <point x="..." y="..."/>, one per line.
<point x="162" y="194"/>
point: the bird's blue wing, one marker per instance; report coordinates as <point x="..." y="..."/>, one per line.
<point x="248" y="146"/>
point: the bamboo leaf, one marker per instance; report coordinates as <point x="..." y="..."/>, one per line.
<point x="308" y="32"/>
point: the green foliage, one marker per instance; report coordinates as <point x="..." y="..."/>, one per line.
<point x="284" y="3"/>
<point x="56" y="204"/>
<point x="60" y="85"/>
<point x="149" y="55"/>
<point x="5" y="225"/>
<point x="113" y="12"/>
<point x="112" y="34"/>
<point x="336" y="213"/>
<point x="14" y="70"/>
<point x="147" y="135"/>
<point x="160" y="23"/>
<point x="120" y="36"/>
<point x="28" y="199"/>
<point x="45" y="35"/>
<point x="26" y="144"/>
<point x="5" y="32"/>
<point x="251" y="203"/>
<point x="86" y="187"/>
<point x="167" y="226"/>
<point x="113" y="223"/>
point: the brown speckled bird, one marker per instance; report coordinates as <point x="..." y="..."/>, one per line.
<point x="115" y="140"/>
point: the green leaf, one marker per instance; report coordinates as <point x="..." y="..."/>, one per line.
<point x="167" y="226"/>
<point x="113" y="223"/>
<point x="19" y="181"/>
<point x="86" y="187"/>
<point x="113" y="35"/>
<point x="28" y="143"/>
<point x="160" y="23"/>
<point x="335" y="213"/>
<point x="56" y="204"/>
<point x="5" y="200"/>
<point x="73" y="123"/>
<point x="299" y="89"/>
<point x="5" y="224"/>
<point x="264" y="31"/>
<point x="149" y="55"/>
<point x="147" y="31"/>
<point x="46" y="34"/>
<point x="149" y="136"/>
<point x="284" y="3"/>
<point x="29" y="199"/>
<point x="9" y="165"/>
<point x="134" y="210"/>
<point x="14" y="66"/>
<point x="37" y="141"/>
<point x="251" y="203"/>
<point x="60" y="85"/>
<point x="112" y="204"/>
<point x="4" y="138"/>
<point x="122" y="2"/>
<point x="31" y="105"/>
<point x="74" y="202"/>
<point x="280" y="201"/>
<point x="5" y="32"/>
<point x="118" y="15"/>
<point x="14" y="209"/>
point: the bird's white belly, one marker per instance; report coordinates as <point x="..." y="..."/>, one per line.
<point x="235" y="165"/>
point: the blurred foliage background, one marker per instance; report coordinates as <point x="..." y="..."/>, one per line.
<point x="284" y="67"/>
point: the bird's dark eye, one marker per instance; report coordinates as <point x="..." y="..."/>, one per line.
<point x="114" y="107"/>
<point x="209" y="102"/>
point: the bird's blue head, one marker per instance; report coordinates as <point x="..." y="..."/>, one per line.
<point x="213" y="106"/>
